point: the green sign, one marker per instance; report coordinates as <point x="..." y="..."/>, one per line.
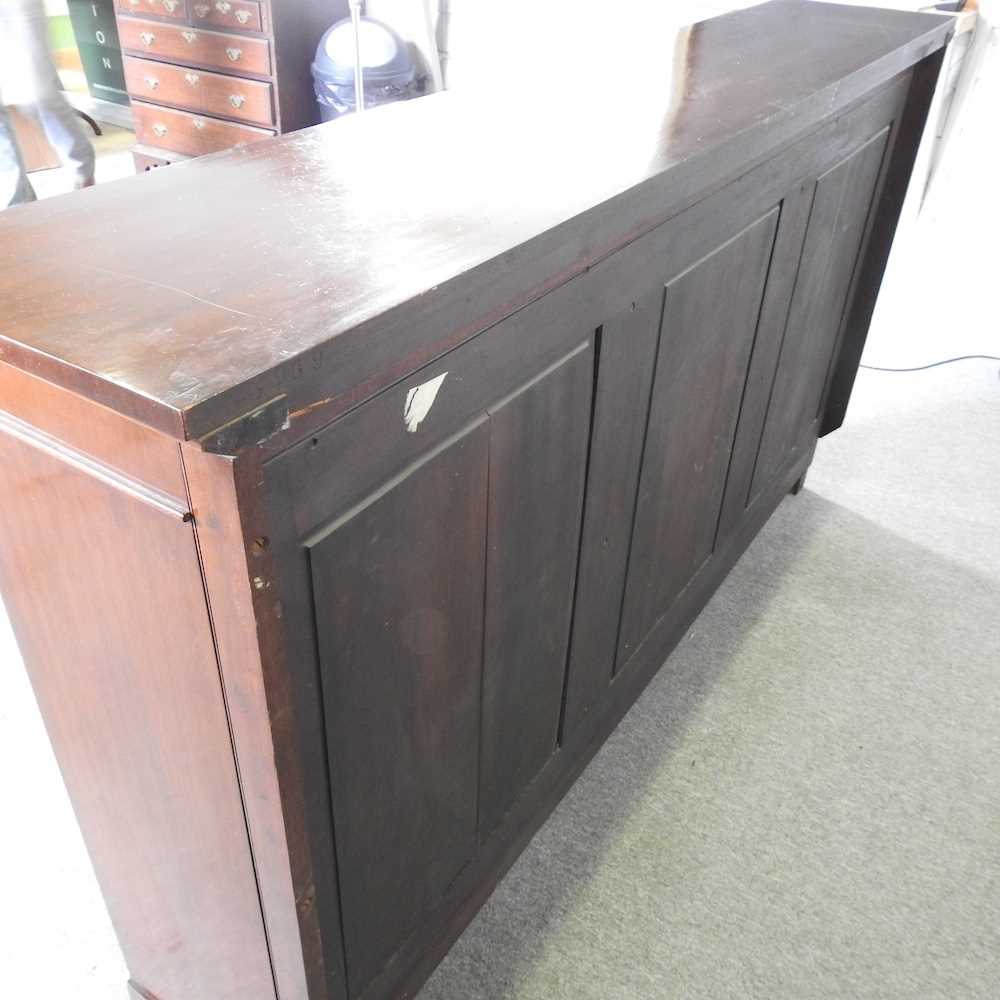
<point x="100" y="52"/>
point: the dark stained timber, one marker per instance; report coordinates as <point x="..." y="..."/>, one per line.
<point x="746" y="85"/>
<point x="707" y="334"/>
<point x="840" y="206"/>
<point x="400" y="640"/>
<point x="621" y="403"/>
<point x="538" y="447"/>
<point x="338" y="534"/>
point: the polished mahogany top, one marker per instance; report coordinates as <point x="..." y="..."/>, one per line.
<point x="317" y="267"/>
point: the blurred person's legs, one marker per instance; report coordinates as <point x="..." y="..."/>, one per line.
<point x="30" y="80"/>
<point x="15" y="188"/>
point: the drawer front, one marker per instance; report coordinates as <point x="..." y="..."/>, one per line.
<point x="204" y="48"/>
<point x="188" y="133"/>
<point x="198" y="90"/>
<point x="244" y="14"/>
<point x="176" y="9"/>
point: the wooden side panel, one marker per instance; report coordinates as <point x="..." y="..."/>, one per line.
<point x="900" y="158"/>
<point x="351" y="476"/>
<point x="709" y="322"/>
<point x="428" y="565"/>
<point x="538" y="453"/>
<point x="234" y="546"/>
<point x="625" y="365"/>
<point x="398" y="592"/>
<point x="784" y="271"/>
<point x="840" y="209"/>
<point x="107" y="602"/>
<point x="130" y="447"/>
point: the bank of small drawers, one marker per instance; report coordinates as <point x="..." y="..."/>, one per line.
<point x="201" y="91"/>
<point x="245" y="14"/>
<point x="200" y="73"/>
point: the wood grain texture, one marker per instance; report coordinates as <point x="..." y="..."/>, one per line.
<point x="615" y="281"/>
<point x="417" y="959"/>
<point x="36" y="151"/>
<point x="398" y="600"/>
<point x="263" y="57"/>
<point x="209" y="93"/>
<point x="707" y="333"/>
<point x="373" y="441"/>
<point x="289" y="650"/>
<point x="196" y="48"/>
<point x="323" y="478"/>
<point x="132" y="448"/>
<point x="445" y="466"/>
<point x="626" y="361"/>
<point x="189" y="133"/>
<point x="234" y="553"/>
<point x="538" y="452"/>
<point x="841" y="204"/>
<point x="220" y="337"/>
<point x="105" y="596"/>
<point x="889" y="204"/>
<point x="786" y="261"/>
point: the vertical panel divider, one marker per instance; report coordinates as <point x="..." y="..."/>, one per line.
<point x="482" y="636"/>
<point x="616" y="660"/>
<point x="719" y="521"/>
<point x="598" y="336"/>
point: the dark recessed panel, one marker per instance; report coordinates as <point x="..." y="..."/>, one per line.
<point x="398" y="597"/>
<point x="709" y="322"/>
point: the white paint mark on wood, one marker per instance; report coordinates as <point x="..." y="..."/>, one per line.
<point x="419" y="401"/>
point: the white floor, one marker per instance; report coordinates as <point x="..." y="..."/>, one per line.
<point x="114" y="161"/>
<point x="939" y="300"/>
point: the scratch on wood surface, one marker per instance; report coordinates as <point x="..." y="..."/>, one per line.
<point x="308" y="409"/>
<point x="170" y="288"/>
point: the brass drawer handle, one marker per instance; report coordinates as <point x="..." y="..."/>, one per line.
<point x="189" y="36"/>
<point x="198" y="123"/>
<point x="234" y="54"/>
<point x="243" y="16"/>
<point x="170" y="6"/>
<point x="223" y="6"/>
<point x="147" y="37"/>
<point x="192" y="79"/>
<point x="237" y="100"/>
<point x="152" y="82"/>
<point x="201" y="10"/>
<point x="160" y="130"/>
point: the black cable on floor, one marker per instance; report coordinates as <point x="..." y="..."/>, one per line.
<point x="936" y="364"/>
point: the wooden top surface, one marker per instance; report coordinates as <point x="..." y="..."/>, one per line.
<point x="299" y="266"/>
